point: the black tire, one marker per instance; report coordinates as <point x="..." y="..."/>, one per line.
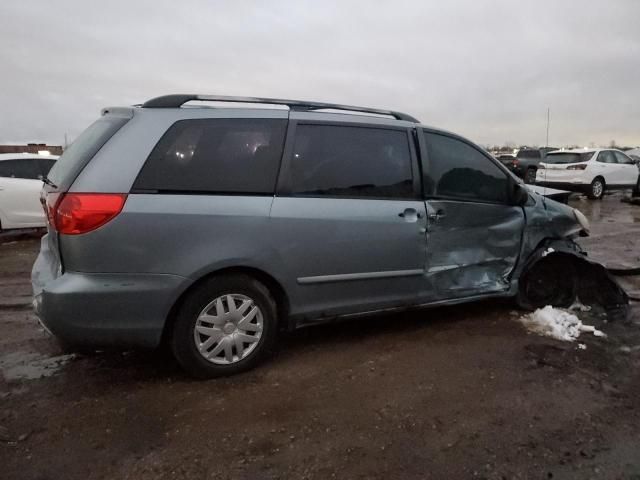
<point x="530" y="176"/>
<point x="183" y="344"/>
<point x="550" y="281"/>
<point x="595" y="192"/>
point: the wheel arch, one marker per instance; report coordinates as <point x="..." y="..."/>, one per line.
<point x="273" y="285"/>
<point x="591" y="278"/>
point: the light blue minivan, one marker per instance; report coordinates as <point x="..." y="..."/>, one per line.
<point x="211" y="228"/>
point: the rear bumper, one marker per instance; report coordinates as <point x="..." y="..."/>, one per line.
<point x="104" y="309"/>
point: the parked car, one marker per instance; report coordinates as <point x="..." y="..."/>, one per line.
<point x="591" y="171"/>
<point x="506" y="159"/>
<point x="20" y="185"/>
<point x="212" y="228"/>
<point x="525" y="164"/>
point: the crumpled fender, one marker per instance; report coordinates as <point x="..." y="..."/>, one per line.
<point x="593" y="284"/>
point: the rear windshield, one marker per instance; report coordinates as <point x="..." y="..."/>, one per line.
<point x="82" y="150"/>
<point x="529" y="154"/>
<point x="568" y="157"/>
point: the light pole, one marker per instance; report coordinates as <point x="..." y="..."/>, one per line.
<point x="547" y="142"/>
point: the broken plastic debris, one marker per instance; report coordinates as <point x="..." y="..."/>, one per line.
<point x="579" y="306"/>
<point x="557" y="323"/>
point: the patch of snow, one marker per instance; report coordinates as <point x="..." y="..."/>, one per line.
<point x="548" y="251"/>
<point x="582" y="346"/>
<point x="557" y="323"/>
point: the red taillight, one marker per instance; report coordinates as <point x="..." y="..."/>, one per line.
<point x="76" y="213"/>
<point x="49" y="202"/>
<point x="582" y="166"/>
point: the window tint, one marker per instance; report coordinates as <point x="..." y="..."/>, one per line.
<point x="351" y="162"/>
<point x="606" y="157"/>
<point x="568" y="157"/>
<point x="529" y="154"/>
<point x="46" y="164"/>
<point x="622" y="158"/>
<point x="82" y="150"/>
<point x="236" y="155"/>
<point x="457" y="170"/>
<point x="20" y="168"/>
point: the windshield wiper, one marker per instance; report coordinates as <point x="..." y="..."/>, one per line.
<point x="46" y="180"/>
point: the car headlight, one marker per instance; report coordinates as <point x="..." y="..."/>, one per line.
<point x="581" y="219"/>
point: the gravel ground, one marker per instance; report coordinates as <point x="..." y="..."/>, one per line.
<point x="458" y="392"/>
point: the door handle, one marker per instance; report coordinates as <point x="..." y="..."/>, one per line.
<point x="410" y="214"/>
<point x="434" y="217"/>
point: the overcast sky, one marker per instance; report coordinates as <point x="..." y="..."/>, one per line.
<point x="485" y="69"/>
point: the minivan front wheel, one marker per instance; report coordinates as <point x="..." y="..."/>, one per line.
<point x="225" y="326"/>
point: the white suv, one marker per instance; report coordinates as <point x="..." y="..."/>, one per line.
<point x="589" y="171"/>
<point x="21" y="177"/>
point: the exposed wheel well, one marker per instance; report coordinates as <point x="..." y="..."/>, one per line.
<point x="274" y="287"/>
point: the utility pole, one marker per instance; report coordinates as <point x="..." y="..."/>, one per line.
<point x="547" y="142"/>
<point x="65" y="141"/>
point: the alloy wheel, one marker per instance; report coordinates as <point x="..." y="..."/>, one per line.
<point x="597" y="188"/>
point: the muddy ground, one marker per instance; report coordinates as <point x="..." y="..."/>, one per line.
<point x="461" y="392"/>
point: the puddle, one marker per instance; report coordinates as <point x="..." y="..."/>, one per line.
<point x="31" y="365"/>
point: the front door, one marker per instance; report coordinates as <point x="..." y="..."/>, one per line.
<point x="473" y="233"/>
<point x="627" y="168"/>
<point x="606" y="166"/>
<point x="350" y="216"/>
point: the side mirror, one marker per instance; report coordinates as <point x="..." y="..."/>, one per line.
<point x="520" y="195"/>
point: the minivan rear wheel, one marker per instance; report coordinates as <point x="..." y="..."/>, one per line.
<point x="226" y="325"/>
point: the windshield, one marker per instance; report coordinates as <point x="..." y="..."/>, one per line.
<point x="568" y="157"/>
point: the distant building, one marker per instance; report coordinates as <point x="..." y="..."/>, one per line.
<point x="32" y="148"/>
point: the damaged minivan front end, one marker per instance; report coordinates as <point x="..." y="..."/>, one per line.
<point x="554" y="269"/>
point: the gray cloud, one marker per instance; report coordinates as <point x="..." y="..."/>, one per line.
<point x="485" y="69"/>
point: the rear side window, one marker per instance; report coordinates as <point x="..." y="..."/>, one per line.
<point x="606" y="157"/>
<point x="456" y="170"/>
<point x="357" y="162"/>
<point x="231" y="155"/>
<point x="82" y="150"/>
<point x="27" y="168"/>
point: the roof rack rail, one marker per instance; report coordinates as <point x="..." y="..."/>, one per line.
<point x="175" y="101"/>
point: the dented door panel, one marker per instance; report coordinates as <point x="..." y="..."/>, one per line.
<point x="472" y="248"/>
